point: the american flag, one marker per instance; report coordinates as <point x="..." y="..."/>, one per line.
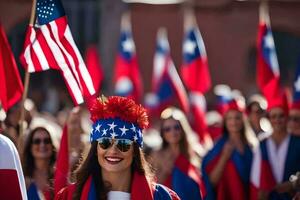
<point x="51" y="46"/>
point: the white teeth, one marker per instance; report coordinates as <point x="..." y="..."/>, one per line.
<point x="113" y="159"/>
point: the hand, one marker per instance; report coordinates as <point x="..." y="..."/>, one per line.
<point x="227" y="150"/>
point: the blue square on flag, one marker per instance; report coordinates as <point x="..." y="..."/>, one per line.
<point x="48" y="10"/>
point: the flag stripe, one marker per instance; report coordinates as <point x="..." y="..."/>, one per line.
<point x="82" y="68"/>
<point x="40" y="56"/>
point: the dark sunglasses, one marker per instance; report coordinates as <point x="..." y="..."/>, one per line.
<point x="294" y="118"/>
<point x="38" y="141"/>
<point x="177" y="127"/>
<point x="122" y="144"/>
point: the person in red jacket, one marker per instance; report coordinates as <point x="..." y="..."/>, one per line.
<point x="115" y="167"/>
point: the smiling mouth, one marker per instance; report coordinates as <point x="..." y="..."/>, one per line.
<point x="113" y="160"/>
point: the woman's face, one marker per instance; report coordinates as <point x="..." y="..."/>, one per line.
<point x="234" y="121"/>
<point x="172" y="131"/>
<point x="112" y="160"/>
<point x="41" y="147"/>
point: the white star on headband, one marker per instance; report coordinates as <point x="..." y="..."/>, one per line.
<point x="124" y="130"/>
<point x="140" y="132"/>
<point x="113" y="135"/>
<point x="112" y="126"/>
<point x="98" y="127"/>
<point x="133" y="128"/>
<point x="104" y="132"/>
<point x="135" y="138"/>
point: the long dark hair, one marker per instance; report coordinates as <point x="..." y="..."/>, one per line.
<point x="90" y="167"/>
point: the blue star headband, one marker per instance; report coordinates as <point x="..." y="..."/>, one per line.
<point x="116" y="128"/>
<point x="118" y="118"/>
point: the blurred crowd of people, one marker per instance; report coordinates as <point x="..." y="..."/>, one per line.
<point x="255" y="151"/>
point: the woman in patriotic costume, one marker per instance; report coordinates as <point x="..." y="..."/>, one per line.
<point x="226" y="168"/>
<point x="177" y="165"/>
<point x="115" y="167"/>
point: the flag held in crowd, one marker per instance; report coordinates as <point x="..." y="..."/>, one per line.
<point x="166" y="83"/>
<point x="296" y="88"/>
<point x="267" y="63"/>
<point x="62" y="163"/>
<point x="127" y="76"/>
<point x="51" y="46"/>
<point x="11" y="87"/>
<point x="194" y="70"/>
<point x="93" y="64"/>
<point x="12" y="181"/>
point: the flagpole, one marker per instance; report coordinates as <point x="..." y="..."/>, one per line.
<point x="26" y="82"/>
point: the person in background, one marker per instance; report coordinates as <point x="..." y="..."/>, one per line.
<point x="214" y="124"/>
<point x="277" y="157"/>
<point x="77" y="141"/>
<point x="226" y="167"/>
<point x="256" y="113"/>
<point x="12" y="184"/>
<point x="115" y="167"/>
<point x="39" y="157"/>
<point x="294" y="120"/>
<point x="176" y="161"/>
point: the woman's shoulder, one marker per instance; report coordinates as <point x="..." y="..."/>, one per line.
<point x="66" y="193"/>
<point x="164" y="193"/>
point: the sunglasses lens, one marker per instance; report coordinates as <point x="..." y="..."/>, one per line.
<point x="39" y="141"/>
<point x="124" y="144"/>
<point x="36" y="141"/>
<point x="169" y="128"/>
<point x="104" y="143"/>
<point x="47" y="141"/>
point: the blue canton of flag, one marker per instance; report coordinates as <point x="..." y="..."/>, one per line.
<point x="296" y="85"/>
<point x="269" y="52"/>
<point x="191" y="46"/>
<point x="48" y="10"/>
<point x="126" y="45"/>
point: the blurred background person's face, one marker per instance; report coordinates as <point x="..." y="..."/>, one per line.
<point x="234" y="121"/>
<point x="278" y="119"/>
<point x="172" y="131"/>
<point x="255" y="114"/>
<point x="41" y="147"/>
<point x="294" y="121"/>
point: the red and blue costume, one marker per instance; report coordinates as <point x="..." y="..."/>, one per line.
<point x="185" y="180"/>
<point x="234" y="182"/>
<point x="141" y="188"/>
<point x="262" y="177"/>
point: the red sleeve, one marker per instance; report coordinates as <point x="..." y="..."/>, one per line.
<point x="66" y="193"/>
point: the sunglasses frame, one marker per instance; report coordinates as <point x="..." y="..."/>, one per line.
<point x="176" y="127"/>
<point x="115" y="141"/>
<point x="38" y="141"/>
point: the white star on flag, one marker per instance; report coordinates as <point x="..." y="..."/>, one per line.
<point x="112" y="126"/>
<point x="297" y="84"/>
<point x="98" y="127"/>
<point x="124" y="130"/>
<point x="189" y="47"/>
<point x="128" y="45"/>
<point x="133" y="128"/>
<point x="113" y="135"/>
<point x="104" y="132"/>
